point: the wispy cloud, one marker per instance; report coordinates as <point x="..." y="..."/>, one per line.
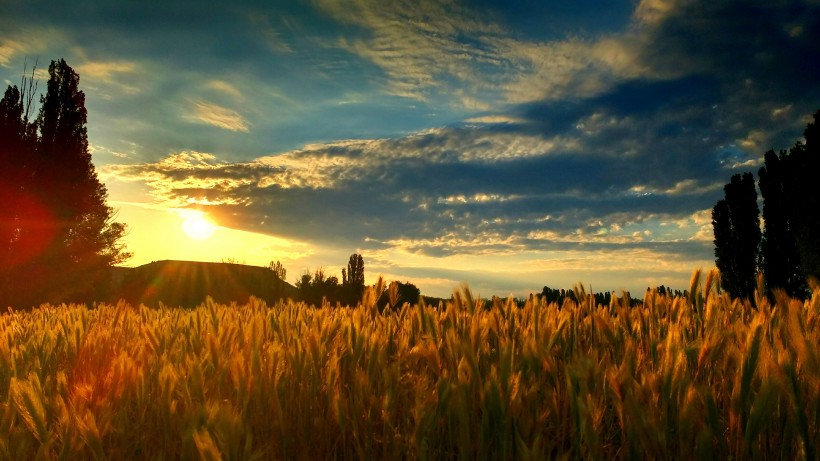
<point x="218" y="116"/>
<point x="225" y="88"/>
<point x="110" y="79"/>
<point x="448" y="50"/>
<point x="269" y="34"/>
<point x="105" y="70"/>
<point x="498" y="118"/>
<point x="19" y="43"/>
<point x="420" y="48"/>
<point x="8" y="50"/>
<point x="653" y="11"/>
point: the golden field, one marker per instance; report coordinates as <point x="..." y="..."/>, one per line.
<point x="701" y="377"/>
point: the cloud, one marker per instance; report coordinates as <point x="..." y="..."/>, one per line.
<point x="654" y="11"/>
<point x="448" y="50"/>
<point x="225" y="88"/>
<point x="186" y="178"/>
<point x="109" y="79"/>
<point x="8" y="50"/>
<point x="218" y="116"/>
<point x="493" y="119"/>
<point x="19" y="43"/>
<point x="269" y="34"/>
<point x="744" y="44"/>
<point x="683" y="187"/>
<point x="550" y="70"/>
<point x="421" y="49"/>
<point x="104" y="71"/>
<point x="439" y="192"/>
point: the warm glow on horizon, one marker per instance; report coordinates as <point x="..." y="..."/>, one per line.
<point x="157" y="233"/>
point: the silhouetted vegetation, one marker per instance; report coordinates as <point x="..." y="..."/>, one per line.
<point x="353" y="280"/>
<point x="788" y="250"/>
<point x="316" y="288"/>
<point x="398" y="294"/>
<point x="278" y="270"/>
<point x="736" y="223"/>
<point x="780" y="259"/>
<point x="57" y="235"/>
<point x="791" y="202"/>
<point x="666" y="291"/>
<point x="554" y="295"/>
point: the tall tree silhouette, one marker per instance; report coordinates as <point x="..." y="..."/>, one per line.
<point x="62" y="234"/>
<point x="780" y="259"/>
<point x="17" y="145"/>
<point x="11" y="139"/>
<point x="353" y="279"/>
<point x="806" y="209"/>
<point x="736" y="223"/>
<point x="791" y="200"/>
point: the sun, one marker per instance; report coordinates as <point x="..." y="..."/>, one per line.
<point x="198" y="227"/>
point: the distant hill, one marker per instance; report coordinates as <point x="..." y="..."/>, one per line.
<point x="188" y="283"/>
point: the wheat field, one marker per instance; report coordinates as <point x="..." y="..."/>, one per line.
<point x="702" y="377"/>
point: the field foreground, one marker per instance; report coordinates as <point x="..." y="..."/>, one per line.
<point x="703" y="377"/>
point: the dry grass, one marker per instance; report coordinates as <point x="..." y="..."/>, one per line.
<point x="705" y="377"/>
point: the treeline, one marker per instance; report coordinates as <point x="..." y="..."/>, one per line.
<point x="558" y="296"/>
<point x="317" y="288"/>
<point x="787" y="251"/>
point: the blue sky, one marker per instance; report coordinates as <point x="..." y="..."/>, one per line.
<point x="509" y="145"/>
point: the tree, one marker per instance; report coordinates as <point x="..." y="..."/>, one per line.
<point x="398" y="294"/>
<point x="791" y="244"/>
<point x="736" y="224"/>
<point x="806" y="198"/>
<point x="780" y="259"/>
<point x="17" y="146"/>
<point x="355" y="271"/>
<point x="314" y="288"/>
<point x="552" y="295"/>
<point x="59" y="235"/>
<point x="278" y="269"/>
<point x="303" y="285"/>
<point x="353" y="280"/>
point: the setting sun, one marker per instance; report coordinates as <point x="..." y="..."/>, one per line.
<point x="198" y="227"/>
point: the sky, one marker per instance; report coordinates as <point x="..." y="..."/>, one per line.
<point x="507" y="145"/>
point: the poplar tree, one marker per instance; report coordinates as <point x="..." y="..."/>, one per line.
<point x="736" y="223"/>
<point x="353" y="279"/>
<point x="807" y="198"/>
<point x="791" y="199"/>
<point x="780" y="258"/>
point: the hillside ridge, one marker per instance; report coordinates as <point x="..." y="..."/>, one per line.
<point x="189" y="283"/>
